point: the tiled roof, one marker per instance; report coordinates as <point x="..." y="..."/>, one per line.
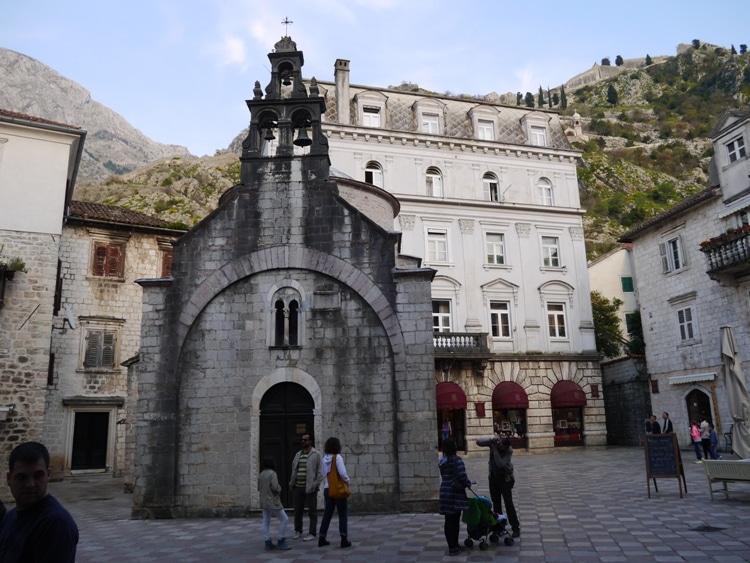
<point x="114" y="214"/>
<point x="23" y="116"/>
<point x="684" y="205"/>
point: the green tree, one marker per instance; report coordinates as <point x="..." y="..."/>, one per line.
<point x="612" y="95"/>
<point x="649" y="61"/>
<point x="519" y="98"/>
<point x="743" y="48"/>
<point x="556" y="99"/>
<point x="563" y="98"/>
<point x="607" y="331"/>
<point x="529" y="99"/>
<point x="540" y="99"/>
<point x="635" y="344"/>
<point x="549" y="98"/>
<point x="696" y="43"/>
<point x="734" y="51"/>
<point x="619" y="61"/>
<point x="605" y="62"/>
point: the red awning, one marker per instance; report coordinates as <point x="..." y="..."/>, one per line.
<point x="509" y="395"/>
<point x="450" y="396"/>
<point x="567" y="393"/>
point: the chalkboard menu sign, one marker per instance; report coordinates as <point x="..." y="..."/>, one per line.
<point x="663" y="460"/>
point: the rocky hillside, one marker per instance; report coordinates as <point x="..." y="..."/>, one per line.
<point x="645" y="143"/>
<point x="112" y="145"/>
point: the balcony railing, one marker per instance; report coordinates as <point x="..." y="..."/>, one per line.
<point x="729" y="253"/>
<point x="460" y="344"/>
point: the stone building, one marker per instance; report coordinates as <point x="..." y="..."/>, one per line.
<point x="289" y="311"/>
<point x="103" y="250"/>
<point x="489" y="198"/>
<point x="38" y="167"/>
<point x="693" y="278"/>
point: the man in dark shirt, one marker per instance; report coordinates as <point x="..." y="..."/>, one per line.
<point x="38" y="528"/>
<point x="502" y="479"/>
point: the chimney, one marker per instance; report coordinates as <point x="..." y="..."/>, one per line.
<point x="341" y="74"/>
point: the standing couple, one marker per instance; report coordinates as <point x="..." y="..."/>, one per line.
<point x="308" y="471"/>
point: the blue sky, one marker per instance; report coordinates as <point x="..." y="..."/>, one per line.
<point x="180" y="70"/>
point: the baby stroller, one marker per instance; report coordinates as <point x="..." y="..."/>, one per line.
<point x="483" y="524"/>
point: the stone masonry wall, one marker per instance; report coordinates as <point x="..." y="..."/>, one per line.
<point x="25" y="323"/>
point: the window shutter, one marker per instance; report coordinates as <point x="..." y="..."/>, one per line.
<point x="113" y="261"/>
<point x="100" y="259"/>
<point x="166" y="263"/>
<point x="109" y="339"/>
<point x="664" y="259"/>
<point x="93" y="345"/>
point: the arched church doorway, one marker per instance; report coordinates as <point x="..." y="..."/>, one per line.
<point x="286" y="413"/>
<point x="698" y="406"/>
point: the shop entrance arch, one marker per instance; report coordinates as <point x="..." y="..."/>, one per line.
<point x="568" y="400"/>
<point x="451" y="406"/>
<point x="509" y="405"/>
<point x="698" y="405"/>
<point x="286" y="413"/>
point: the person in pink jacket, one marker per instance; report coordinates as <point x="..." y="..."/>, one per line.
<point x="695" y="435"/>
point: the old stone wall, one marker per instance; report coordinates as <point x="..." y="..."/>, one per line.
<point x="25" y="324"/>
<point x="628" y="400"/>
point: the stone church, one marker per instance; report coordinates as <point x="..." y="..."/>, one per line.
<point x="289" y="311"/>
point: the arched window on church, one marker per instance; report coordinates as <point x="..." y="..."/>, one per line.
<point x="286" y="318"/>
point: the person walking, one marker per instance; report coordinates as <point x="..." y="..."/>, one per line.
<point x="705" y="437"/>
<point x="38" y="528"/>
<point x="453" y="501"/>
<point x="270" y="503"/>
<point x="502" y="479"/>
<point x="695" y="436"/>
<point x="304" y="482"/>
<point x="667" y="427"/>
<point x="714" y="439"/>
<point x="333" y="457"/>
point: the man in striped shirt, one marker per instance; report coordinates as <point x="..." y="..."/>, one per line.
<point x="304" y="482"/>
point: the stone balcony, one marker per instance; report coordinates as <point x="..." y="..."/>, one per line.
<point x="728" y="255"/>
<point x="461" y="345"/>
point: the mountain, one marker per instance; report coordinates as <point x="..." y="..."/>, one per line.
<point x="112" y="145"/>
<point x="645" y="147"/>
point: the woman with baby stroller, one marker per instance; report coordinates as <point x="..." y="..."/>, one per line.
<point x="453" y="501"/>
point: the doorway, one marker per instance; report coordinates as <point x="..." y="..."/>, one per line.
<point x="286" y="413"/>
<point x="90" y="434"/>
<point x="698" y="406"/>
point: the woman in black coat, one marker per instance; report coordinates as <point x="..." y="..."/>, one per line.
<point x="452" y="502"/>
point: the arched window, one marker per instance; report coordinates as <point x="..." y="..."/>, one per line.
<point x="434" y="182"/>
<point x="545" y="192"/>
<point x="374" y="174"/>
<point x="286" y="318"/>
<point x="490" y="187"/>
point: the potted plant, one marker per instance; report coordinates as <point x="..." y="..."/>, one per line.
<point x="9" y="265"/>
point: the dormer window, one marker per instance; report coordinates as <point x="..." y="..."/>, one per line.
<point x="371" y="117"/>
<point x="736" y="149"/>
<point x="486" y="130"/>
<point x="535" y="124"/>
<point x="430" y="123"/>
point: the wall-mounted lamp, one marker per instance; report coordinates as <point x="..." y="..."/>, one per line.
<point x="6" y="411"/>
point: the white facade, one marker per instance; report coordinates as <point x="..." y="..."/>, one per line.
<point x="612" y="275"/>
<point x="38" y="165"/>
<point x="489" y="198"/>
<point x="693" y="279"/>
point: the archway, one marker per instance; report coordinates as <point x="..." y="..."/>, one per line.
<point x="567" y="400"/>
<point x="286" y="413"/>
<point x="451" y="405"/>
<point x="509" y="404"/>
<point x="698" y="405"/>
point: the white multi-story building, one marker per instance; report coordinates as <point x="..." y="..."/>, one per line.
<point x="38" y="168"/>
<point x="489" y="198"/>
<point x="693" y="277"/>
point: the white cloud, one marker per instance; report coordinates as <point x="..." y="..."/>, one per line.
<point x="232" y="50"/>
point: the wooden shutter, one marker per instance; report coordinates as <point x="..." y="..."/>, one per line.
<point x="114" y="259"/>
<point x="166" y="263"/>
<point x="93" y="345"/>
<point x="100" y="258"/>
<point x="109" y="339"/>
<point x="664" y="258"/>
